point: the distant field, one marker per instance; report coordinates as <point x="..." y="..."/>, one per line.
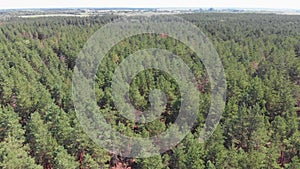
<point x="53" y="15"/>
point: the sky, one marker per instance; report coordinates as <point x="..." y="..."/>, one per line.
<point x="279" y="4"/>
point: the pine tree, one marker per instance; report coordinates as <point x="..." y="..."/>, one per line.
<point x="13" y="150"/>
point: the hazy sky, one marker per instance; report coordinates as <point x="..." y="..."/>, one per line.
<point x="292" y="4"/>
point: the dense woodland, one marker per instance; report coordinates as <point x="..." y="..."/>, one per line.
<point x="260" y="127"/>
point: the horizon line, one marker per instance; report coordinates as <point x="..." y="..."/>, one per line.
<point x="266" y="8"/>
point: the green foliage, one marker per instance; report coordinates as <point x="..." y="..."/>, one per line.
<point x="260" y="124"/>
<point x="14" y="153"/>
